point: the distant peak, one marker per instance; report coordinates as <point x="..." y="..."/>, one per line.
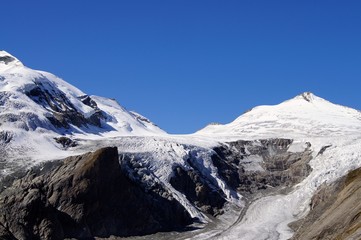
<point x="8" y="59"/>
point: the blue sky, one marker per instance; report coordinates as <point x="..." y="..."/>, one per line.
<point x="185" y="63"/>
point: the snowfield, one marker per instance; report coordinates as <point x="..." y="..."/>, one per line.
<point x="304" y="117"/>
<point x="27" y="138"/>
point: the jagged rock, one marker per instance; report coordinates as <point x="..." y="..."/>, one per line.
<point x="83" y="197"/>
<point x="227" y="163"/>
<point x="335" y="211"/>
<point x="63" y="111"/>
<point x="278" y="166"/>
<point x="95" y="118"/>
<point x="323" y="149"/>
<point x="88" y="101"/>
<point x="66" y="142"/>
<point x="7" y="59"/>
<point x="308" y="96"/>
<point x="5" y="137"/>
<point x="197" y="190"/>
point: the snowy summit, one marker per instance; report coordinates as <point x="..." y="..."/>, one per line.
<point x="306" y="115"/>
<point x="8" y="61"/>
<point x="37" y="106"/>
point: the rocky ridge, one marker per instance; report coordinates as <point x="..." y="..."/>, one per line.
<point x="95" y="192"/>
<point x="83" y="197"/>
<point x="254" y="166"/>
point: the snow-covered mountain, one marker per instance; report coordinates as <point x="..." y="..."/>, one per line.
<point x="333" y="132"/>
<point x="248" y="179"/>
<point x="305" y="116"/>
<point x="37" y="106"/>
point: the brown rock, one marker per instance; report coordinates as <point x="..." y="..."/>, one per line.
<point x="335" y="211"/>
<point x="83" y="197"/>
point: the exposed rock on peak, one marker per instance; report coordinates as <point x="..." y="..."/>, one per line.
<point x="308" y="96"/>
<point x="7" y="59"/>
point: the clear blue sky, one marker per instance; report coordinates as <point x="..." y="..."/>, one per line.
<point x="185" y="63"/>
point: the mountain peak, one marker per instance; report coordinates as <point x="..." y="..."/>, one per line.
<point x="8" y="60"/>
<point x="302" y="116"/>
<point x="308" y="96"/>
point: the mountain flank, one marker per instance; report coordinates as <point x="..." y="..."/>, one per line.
<point x="84" y="197"/>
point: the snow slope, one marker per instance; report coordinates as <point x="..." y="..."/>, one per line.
<point x="37" y="106"/>
<point x="16" y="81"/>
<point x="305" y="116"/>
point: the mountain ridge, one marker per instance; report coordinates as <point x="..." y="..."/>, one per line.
<point x="45" y="89"/>
<point x="225" y="177"/>
<point x="36" y="108"/>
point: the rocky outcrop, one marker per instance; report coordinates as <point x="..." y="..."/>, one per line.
<point x="95" y="118"/>
<point x="335" y="211"/>
<point x="249" y="167"/>
<point x="84" y="197"/>
<point x="253" y="166"/>
<point x="7" y="59"/>
<point x="5" y="137"/>
<point x="62" y="112"/>
<point x="198" y="191"/>
<point x="66" y="142"/>
<point x="101" y="194"/>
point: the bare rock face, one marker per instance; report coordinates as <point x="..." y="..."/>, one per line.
<point x="98" y="114"/>
<point x="335" y="211"/>
<point x="7" y="59"/>
<point x="198" y="190"/>
<point x="66" y="142"/>
<point x="84" y="197"/>
<point x="249" y="167"/>
<point x="275" y="166"/>
<point x="63" y="112"/>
